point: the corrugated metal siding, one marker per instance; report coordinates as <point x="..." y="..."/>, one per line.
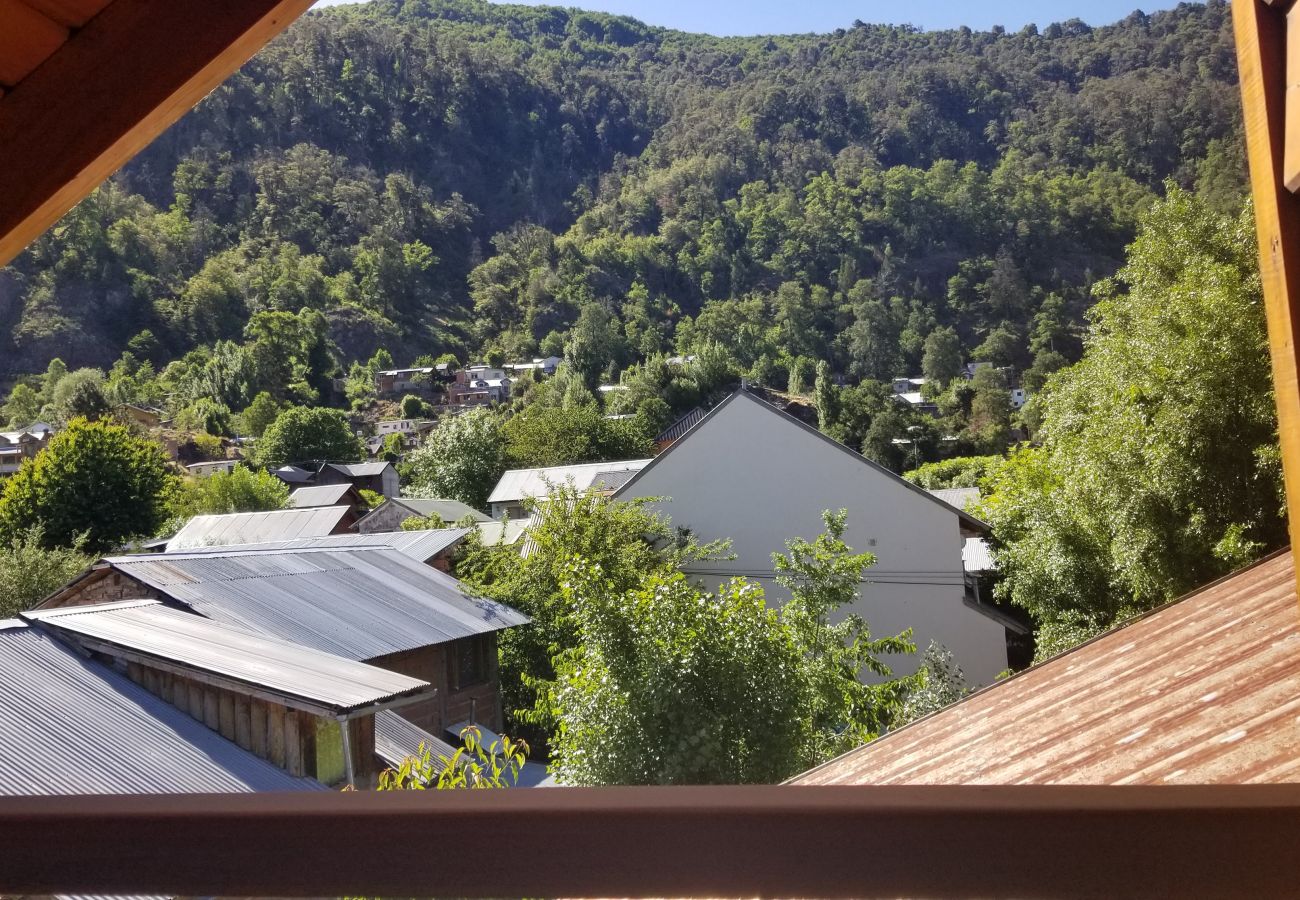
<point x="421" y="546"/>
<point x="977" y="556"/>
<point x="150" y="628"/>
<point x="257" y="528"/>
<point x="517" y="484"/>
<point x="1205" y="690"/>
<point x="355" y="603"/>
<point x="71" y="726"/>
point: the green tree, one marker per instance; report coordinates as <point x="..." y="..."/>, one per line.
<point x="23" y="407"/>
<point x="552" y="436"/>
<point x="592" y="344"/>
<point x="1158" y="464"/>
<point x="958" y="472"/>
<point x="242" y="490"/>
<point x="258" y="415"/>
<point x="461" y="459"/>
<point x="94" y="479"/>
<point x="78" y="394"/>
<point x="939" y="682"/>
<point x="941" y="360"/>
<point x="30" y="570"/>
<point x="412" y="407"/>
<point x="303" y="434"/>
<point x="473" y="766"/>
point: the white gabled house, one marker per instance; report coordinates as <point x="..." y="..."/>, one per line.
<point x="753" y="474"/>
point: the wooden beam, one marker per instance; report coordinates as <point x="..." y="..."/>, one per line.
<point x="1053" y="841"/>
<point x="27" y="38"/>
<point x="1261" y="61"/>
<point x="132" y="71"/>
<point x="1291" y="132"/>
<point x="68" y="13"/>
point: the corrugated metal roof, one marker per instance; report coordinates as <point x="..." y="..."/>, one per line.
<point x="962" y="498"/>
<point x="360" y="470"/>
<point x="289" y="670"/>
<point x="294" y="474"/>
<point x="357" y="603"/>
<point x="494" y="534"/>
<point x="421" y="546"/>
<point x="681" y="426"/>
<point x="1204" y="690"/>
<point x="319" y="495"/>
<point x="257" y="527"/>
<point x="72" y="726"/>
<point x="396" y="739"/>
<point x="449" y="510"/>
<point x="517" y="484"/>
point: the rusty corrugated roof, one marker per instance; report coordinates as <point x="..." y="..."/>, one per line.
<point x="1204" y="690"/>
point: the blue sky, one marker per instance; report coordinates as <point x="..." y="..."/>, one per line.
<point x="731" y="17"/>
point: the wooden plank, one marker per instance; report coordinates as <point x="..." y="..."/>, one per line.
<point x="196" y="700"/>
<point x="257" y="732"/>
<point x="1261" y="62"/>
<point x="226" y="715"/>
<point x="68" y="13"/>
<point x="1291" y="143"/>
<point x="212" y="707"/>
<point x="293" y="761"/>
<point x="27" y="39"/>
<point x="275" y="734"/>
<point x="243" y="722"/>
<point x="133" y="70"/>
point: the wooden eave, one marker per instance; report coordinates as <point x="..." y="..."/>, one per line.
<point x="87" y="84"/>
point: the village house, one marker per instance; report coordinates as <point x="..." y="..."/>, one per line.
<point x="212" y="467"/>
<point x="379" y="476"/>
<point x="399" y="381"/>
<point x="517" y="485"/>
<point x="374" y="605"/>
<point x="749" y="473"/>
<point x="389" y="515"/>
<point x="545" y="366"/>
<point x="434" y="547"/>
<point x="479" y="386"/>
<point x="24" y="444"/>
<point x="344" y="494"/>
<point x="259" y="527"/>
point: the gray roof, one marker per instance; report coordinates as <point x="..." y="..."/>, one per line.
<point x="421" y="546"/>
<point x="396" y="739"/>
<point x="306" y="678"/>
<point x="257" y="527"/>
<point x="516" y="484"/>
<point x="294" y="474"/>
<point x="962" y="498"/>
<point x="360" y="470"/>
<point x="499" y="533"/>
<point x="449" y="510"/>
<point x="319" y="495"/>
<point x="358" y="603"/>
<point x="681" y="426"/>
<point x="72" y="726"/>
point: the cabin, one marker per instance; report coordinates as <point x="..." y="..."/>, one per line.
<point x="18" y="446"/>
<point x="754" y="475"/>
<point x="260" y="527"/>
<point x="434" y="547"/>
<point x="397" y="381"/>
<point x="379" y="477"/>
<point x="314" y="496"/>
<point x="370" y="604"/>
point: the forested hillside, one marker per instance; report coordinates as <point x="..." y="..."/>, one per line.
<point x="430" y="177"/>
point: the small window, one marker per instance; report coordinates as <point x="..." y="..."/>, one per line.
<point x="468" y="663"/>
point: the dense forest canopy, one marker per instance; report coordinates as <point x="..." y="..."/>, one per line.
<point x="438" y="176"/>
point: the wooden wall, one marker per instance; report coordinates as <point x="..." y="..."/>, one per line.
<point x="447" y="707"/>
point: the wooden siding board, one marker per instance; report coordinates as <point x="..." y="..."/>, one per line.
<point x="27" y="39"/>
<point x="68" y="13"/>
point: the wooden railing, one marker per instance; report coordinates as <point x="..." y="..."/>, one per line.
<point x="1026" y="841"/>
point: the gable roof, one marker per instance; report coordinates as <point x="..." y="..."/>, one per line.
<point x="360" y="470"/>
<point x="447" y="510"/>
<point x="321" y="495"/>
<point x="358" y="602"/>
<point x="300" y="677"/>
<point x="681" y="426"/>
<point x="70" y="725"/>
<point x="516" y="484"/>
<point x="420" y="546"/>
<point x="742" y="393"/>
<point x="1205" y="689"/>
<point x="257" y="527"/>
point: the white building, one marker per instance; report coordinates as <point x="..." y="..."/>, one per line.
<point x="759" y="477"/>
<point x="517" y="485"/>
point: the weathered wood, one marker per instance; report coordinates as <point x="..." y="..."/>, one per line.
<point x="243" y="722"/>
<point x="196" y="700"/>
<point x="212" y="707"/>
<point x="226" y="715"/>
<point x="150" y="680"/>
<point x="275" y="716"/>
<point x="257" y="732"/>
<point x="1261" y="61"/>
<point x="134" y="69"/>
<point x="293" y="756"/>
<point x="135" y="672"/>
<point x="27" y="39"/>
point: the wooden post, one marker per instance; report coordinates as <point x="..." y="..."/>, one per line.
<point x="1262" y="62"/>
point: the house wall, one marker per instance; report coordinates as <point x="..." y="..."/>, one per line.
<point x="753" y="476"/>
<point x="388" y="517"/>
<point x="105" y="588"/>
<point x="447" y="707"/>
